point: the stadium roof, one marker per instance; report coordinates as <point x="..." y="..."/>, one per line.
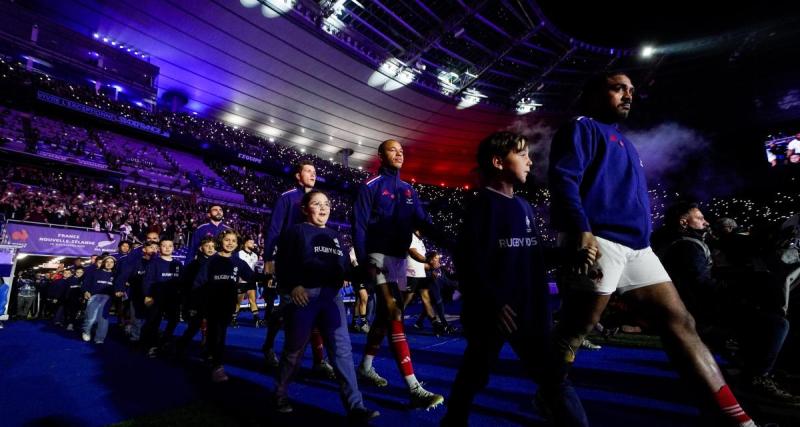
<point x="437" y="75"/>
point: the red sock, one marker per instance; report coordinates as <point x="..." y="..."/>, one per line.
<point x="729" y="405"/>
<point x="317" y="347"/>
<point x="374" y="339"/>
<point x="400" y="348"/>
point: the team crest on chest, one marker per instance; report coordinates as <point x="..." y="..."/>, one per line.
<point x="618" y="140"/>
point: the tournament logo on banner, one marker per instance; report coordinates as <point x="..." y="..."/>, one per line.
<point x="43" y="240"/>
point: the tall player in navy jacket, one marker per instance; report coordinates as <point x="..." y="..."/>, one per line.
<point x="500" y="260"/>
<point x="387" y="211"/>
<point x="287" y="213"/>
<point x="315" y="267"/>
<point x="600" y="204"/>
<point x="221" y="276"/>
<point x="211" y="229"/>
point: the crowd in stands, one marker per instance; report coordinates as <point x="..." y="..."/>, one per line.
<point x="56" y="197"/>
<point x="212" y="131"/>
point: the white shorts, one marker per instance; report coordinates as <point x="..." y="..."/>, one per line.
<point x="625" y="269"/>
<point x="390" y="269"/>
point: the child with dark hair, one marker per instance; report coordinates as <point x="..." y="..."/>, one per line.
<point x="160" y="288"/>
<point x="501" y="264"/>
<point x="72" y="298"/>
<point x="195" y="297"/>
<point x="220" y="278"/>
<point x="133" y="285"/>
<point x="313" y="270"/>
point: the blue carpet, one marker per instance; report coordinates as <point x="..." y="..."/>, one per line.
<point x="50" y="377"/>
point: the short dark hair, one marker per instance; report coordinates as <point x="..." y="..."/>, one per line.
<point x="307" y="197"/>
<point x="165" y="239"/>
<point x="594" y="86"/>
<point x="150" y="243"/>
<point x="212" y="207"/>
<point x="674" y="213"/>
<point x="206" y="240"/>
<point x="383" y="145"/>
<point x="498" y="144"/>
<point x="303" y="163"/>
<point x="123" y="242"/>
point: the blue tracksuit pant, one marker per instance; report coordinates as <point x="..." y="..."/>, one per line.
<point x="326" y="311"/>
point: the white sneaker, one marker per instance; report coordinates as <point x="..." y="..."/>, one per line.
<point x="372" y="377"/>
<point x="423" y="399"/>
<point x="86" y="337"/>
<point x="588" y="345"/>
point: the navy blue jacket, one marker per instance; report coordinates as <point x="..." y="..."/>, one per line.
<point x="500" y="260"/>
<point x="285" y="214"/>
<point x="88" y="272"/>
<point x="311" y="257"/>
<point x="57" y="289"/>
<point x="120" y="256"/>
<point x="101" y="282"/>
<point x="597" y="184"/>
<point x="125" y="267"/>
<point x="136" y="281"/>
<point x="191" y="270"/>
<point x="387" y="210"/>
<point x="161" y="274"/>
<point x="220" y="271"/>
<point x="206" y="230"/>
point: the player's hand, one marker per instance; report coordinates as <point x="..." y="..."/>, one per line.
<point x="588" y="252"/>
<point x="505" y="320"/>
<point x="87" y="295"/>
<point x="148" y="301"/>
<point x="120" y="294"/>
<point x="299" y="296"/>
<point x="271" y="283"/>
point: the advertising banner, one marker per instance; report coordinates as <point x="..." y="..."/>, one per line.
<point x="52" y="240"/>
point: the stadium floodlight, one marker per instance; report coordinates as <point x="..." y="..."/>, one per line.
<point x="447" y="82"/>
<point x="470" y="98"/>
<point x="647" y="51"/>
<point x="332" y="24"/>
<point x="276" y="8"/>
<point x="527" y="105"/>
